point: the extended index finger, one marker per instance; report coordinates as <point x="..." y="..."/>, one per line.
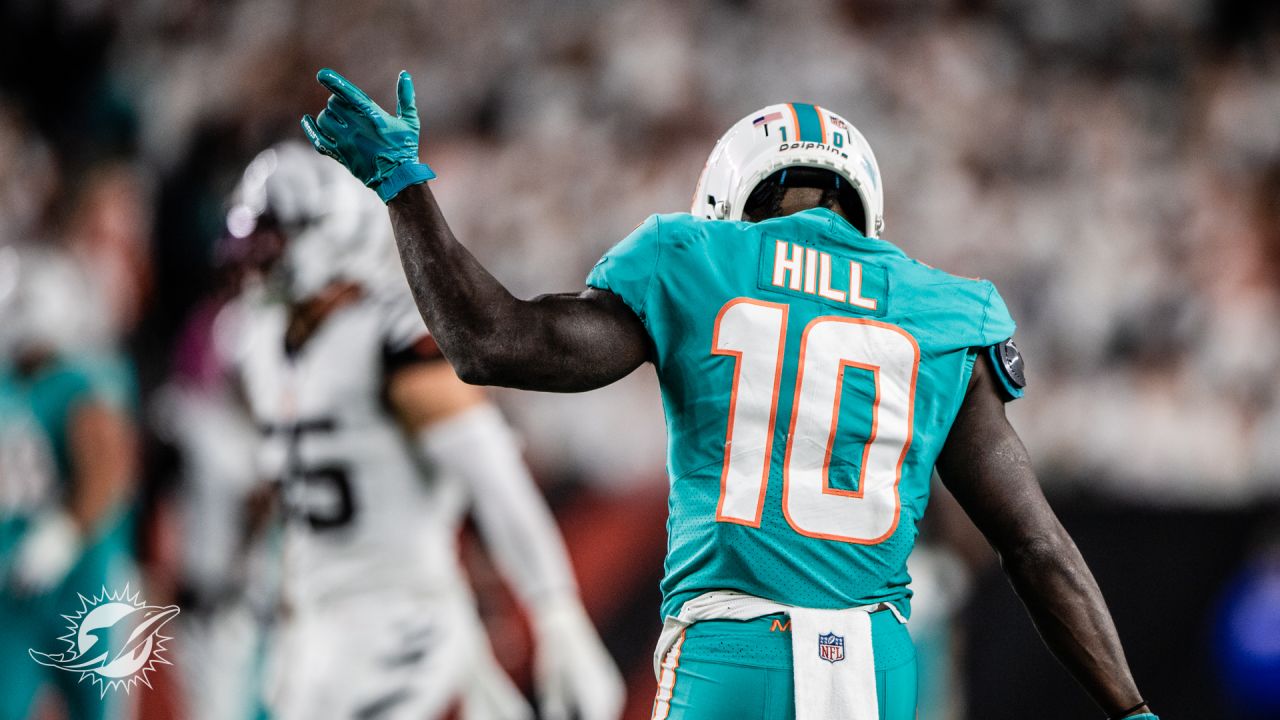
<point x="345" y="89"/>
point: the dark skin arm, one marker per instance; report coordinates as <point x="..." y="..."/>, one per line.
<point x="557" y="343"/>
<point x="986" y="467"/>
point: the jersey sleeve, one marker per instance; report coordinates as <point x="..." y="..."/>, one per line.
<point x="66" y="390"/>
<point x="997" y="323"/>
<point x="997" y="337"/>
<point x="74" y="387"/>
<point x="627" y="269"/>
<point x="405" y="338"/>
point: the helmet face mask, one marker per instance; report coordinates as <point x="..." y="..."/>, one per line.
<point x="305" y="223"/>
<point x="779" y="137"/>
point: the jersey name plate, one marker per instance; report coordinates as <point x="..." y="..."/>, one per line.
<point x="802" y="270"/>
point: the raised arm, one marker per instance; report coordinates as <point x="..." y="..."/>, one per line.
<point x="986" y="467"/>
<point x="559" y="343"/>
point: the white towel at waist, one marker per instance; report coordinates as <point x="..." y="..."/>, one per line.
<point x="834" y="666"/>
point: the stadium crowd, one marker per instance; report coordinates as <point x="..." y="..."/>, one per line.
<point x="1114" y="168"/>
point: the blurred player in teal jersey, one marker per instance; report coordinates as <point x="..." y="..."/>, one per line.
<point x="67" y="467"/>
<point x="813" y="376"/>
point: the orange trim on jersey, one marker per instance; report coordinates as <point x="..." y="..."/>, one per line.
<point x="856" y="298"/>
<point x="911" y="409"/>
<point x="835" y="422"/>
<point x="733" y="405"/>
<point x="795" y="120"/>
<point x="668" y="671"/>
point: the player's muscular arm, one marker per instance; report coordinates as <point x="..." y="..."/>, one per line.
<point x="101" y="447"/>
<point x="461" y="433"/>
<point x="465" y="437"/>
<point x="430" y="392"/>
<point x="103" y="458"/>
<point x="985" y="465"/>
<point x="559" y="343"/>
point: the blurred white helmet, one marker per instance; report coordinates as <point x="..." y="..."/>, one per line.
<point x="790" y="135"/>
<point x="48" y="304"/>
<point x="333" y="227"/>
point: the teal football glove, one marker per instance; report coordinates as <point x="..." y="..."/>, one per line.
<point x="380" y="149"/>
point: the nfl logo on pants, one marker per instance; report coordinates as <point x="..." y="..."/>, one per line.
<point x="831" y="647"/>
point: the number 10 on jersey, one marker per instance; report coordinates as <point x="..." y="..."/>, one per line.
<point x="754" y="333"/>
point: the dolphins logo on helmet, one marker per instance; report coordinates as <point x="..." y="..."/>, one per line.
<point x="114" y="640"/>
<point x="790" y="135"/>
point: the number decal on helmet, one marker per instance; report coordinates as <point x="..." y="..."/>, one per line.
<point x="742" y="159"/>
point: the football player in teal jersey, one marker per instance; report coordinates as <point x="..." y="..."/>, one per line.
<point x="67" y="468"/>
<point x="813" y="377"/>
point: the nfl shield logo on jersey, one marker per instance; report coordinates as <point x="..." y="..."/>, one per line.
<point x="831" y="647"/>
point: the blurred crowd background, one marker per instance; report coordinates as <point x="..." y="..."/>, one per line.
<point x="1113" y="166"/>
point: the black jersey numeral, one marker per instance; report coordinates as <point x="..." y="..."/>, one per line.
<point x="319" y="494"/>
<point x="330" y="481"/>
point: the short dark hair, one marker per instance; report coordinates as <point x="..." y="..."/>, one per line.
<point x="765" y="200"/>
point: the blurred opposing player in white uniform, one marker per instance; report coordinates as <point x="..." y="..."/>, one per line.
<point x="200" y="414"/>
<point x="379" y="450"/>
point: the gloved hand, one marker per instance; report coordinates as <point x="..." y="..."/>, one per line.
<point x="46" y="553"/>
<point x="380" y="149"/>
<point x="573" y="673"/>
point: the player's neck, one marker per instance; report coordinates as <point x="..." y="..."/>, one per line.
<point x="306" y="317"/>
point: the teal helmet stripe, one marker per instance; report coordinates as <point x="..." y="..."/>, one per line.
<point x="810" y="124"/>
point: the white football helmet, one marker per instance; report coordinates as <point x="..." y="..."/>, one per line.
<point x="785" y="136"/>
<point x="47" y="303"/>
<point x="333" y="227"/>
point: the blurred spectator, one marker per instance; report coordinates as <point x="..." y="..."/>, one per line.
<point x="1108" y="167"/>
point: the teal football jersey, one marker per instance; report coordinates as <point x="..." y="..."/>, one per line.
<point x="35" y="416"/>
<point x="809" y="377"/>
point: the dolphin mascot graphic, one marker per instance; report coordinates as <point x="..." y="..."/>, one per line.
<point x="114" y="640"/>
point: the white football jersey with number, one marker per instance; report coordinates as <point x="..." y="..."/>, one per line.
<point x="362" y="513"/>
<point x="379" y="618"/>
